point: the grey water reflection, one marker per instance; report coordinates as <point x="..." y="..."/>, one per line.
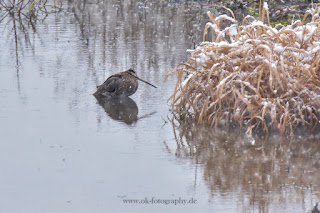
<point x="18" y="36"/>
<point x="268" y="175"/>
<point x="123" y="108"/>
<point x="62" y="150"/>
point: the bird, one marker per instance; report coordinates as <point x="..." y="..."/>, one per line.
<point x="120" y="84"/>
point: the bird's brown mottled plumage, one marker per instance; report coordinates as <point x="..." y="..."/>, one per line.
<point x="120" y="84"/>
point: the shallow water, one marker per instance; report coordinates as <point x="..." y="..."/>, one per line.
<point x="64" y="151"/>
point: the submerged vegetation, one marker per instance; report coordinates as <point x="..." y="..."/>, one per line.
<point x="253" y="75"/>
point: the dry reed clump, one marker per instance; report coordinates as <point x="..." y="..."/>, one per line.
<point x="254" y="75"/>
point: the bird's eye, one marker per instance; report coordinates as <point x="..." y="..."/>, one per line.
<point x="132" y="71"/>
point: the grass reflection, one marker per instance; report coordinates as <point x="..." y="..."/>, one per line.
<point x="30" y="9"/>
<point x="262" y="172"/>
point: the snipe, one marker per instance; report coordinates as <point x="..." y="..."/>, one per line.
<point x="120" y="84"/>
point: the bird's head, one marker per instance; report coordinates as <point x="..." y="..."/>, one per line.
<point x="132" y="72"/>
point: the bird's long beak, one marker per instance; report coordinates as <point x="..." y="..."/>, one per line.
<point x="145" y="82"/>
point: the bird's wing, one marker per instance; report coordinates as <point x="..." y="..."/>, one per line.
<point x="111" y="84"/>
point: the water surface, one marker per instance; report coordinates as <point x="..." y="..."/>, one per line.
<point x="64" y="151"/>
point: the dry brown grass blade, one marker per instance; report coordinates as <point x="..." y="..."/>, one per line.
<point x="268" y="17"/>
<point x="211" y="17"/>
<point x="244" y="100"/>
<point x="260" y="11"/>
<point x="229" y="11"/>
<point x="305" y="16"/>
<point x="284" y="122"/>
<point x="205" y="31"/>
<point x="315" y="63"/>
<point x="203" y="110"/>
<point x="263" y="15"/>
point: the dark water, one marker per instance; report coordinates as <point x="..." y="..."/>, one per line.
<point x="64" y="151"/>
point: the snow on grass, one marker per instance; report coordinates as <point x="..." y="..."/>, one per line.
<point x="254" y="75"/>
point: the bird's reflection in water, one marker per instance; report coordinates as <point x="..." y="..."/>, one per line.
<point x="120" y="108"/>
